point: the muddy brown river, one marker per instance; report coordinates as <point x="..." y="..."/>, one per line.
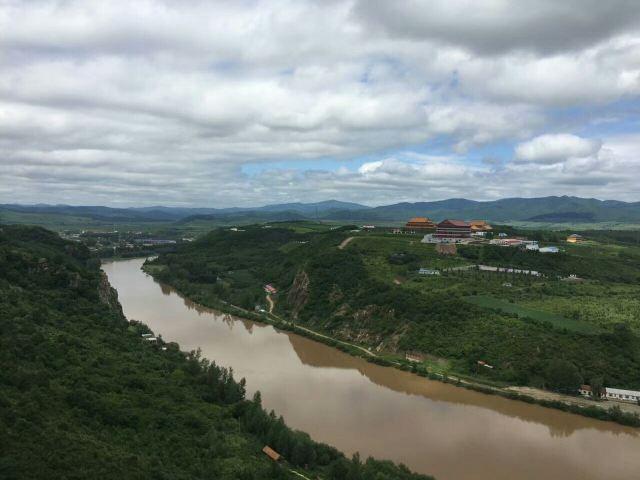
<point x="432" y="427"/>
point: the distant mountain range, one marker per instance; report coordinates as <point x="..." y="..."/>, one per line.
<point x="545" y="209"/>
<point x="164" y="214"/>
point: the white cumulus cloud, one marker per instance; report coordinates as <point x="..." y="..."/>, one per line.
<point x="173" y="102"/>
<point x="556" y="148"/>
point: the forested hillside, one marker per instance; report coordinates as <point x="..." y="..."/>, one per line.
<point x="82" y="395"/>
<point x="369" y="292"/>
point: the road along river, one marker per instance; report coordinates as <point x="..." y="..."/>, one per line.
<point x="432" y="427"/>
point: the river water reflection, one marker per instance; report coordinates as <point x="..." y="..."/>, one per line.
<point x="430" y="426"/>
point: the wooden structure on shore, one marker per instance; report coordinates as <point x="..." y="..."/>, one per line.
<point x="271" y="453"/>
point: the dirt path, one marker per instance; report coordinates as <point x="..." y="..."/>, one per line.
<point x="345" y="242"/>
<point x="314" y="333"/>
<point x="299" y="474"/>
<point x="368" y="352"/>
<point x="271" y="303"/>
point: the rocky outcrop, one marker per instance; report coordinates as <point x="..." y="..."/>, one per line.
<point x="363" y="326"/>
<point x="108" y="295"/>
<point x="298" y="293"/>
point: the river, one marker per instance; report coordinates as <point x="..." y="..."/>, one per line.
<point x="432" y="427"/>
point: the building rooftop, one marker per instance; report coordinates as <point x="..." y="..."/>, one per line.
<point x="620" y="391"/>
<point x="271" y="453"/>
<point x="480" y="225"/>
<point x="419" y="220"/>
<point x="454" y="223"/>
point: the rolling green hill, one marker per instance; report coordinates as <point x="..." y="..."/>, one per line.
<point x="369" y="292"/>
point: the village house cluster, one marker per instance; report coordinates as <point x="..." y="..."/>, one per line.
<point x="107" y="243"/>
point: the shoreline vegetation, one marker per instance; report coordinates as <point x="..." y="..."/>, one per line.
<point x="597" y="411"/>
<point x="103" y="398"/>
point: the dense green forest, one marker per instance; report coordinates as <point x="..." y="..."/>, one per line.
<point x="82" y="395"/>
<point x="370" y="292"/>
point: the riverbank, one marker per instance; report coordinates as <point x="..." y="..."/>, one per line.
<point x="624" y="414"/>
<point x="357" y="406"/>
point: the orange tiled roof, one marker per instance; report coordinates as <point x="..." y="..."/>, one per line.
<point x="480" y="225"/>
<point x="453" y="223"/>
<point x="271" y="453"/>
<point x="420" y="220"/>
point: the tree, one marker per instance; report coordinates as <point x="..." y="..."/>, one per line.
<point x="563" y="376"/>
<point x="596" y="387"/>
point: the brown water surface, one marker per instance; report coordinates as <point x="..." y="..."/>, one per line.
<point x="430" y="426"/>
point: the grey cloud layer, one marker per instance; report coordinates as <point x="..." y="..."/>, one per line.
<point x="492" y="27"/>
<point x="165" y="102"/>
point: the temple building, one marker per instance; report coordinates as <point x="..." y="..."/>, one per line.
<point x="419" y="225"/>
<point x="453" y="229"/>
<point x="480" y="226"/>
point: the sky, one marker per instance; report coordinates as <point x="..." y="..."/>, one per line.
<point x="245" y="102"/>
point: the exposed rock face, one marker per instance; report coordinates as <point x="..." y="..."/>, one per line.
<point x="299" y="293"/>
<point x="108" y="295"/>
<point x="361" y="326"/>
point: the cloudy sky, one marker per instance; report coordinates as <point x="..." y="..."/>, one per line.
<point x="216" y="103"/>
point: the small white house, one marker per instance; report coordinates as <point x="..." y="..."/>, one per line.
<point x="430" y="238"/>
<point x="585" y="390"/>
<point x="428" y="271"/>
<point x="532" y="246"/>
<point x="549" y="250"/>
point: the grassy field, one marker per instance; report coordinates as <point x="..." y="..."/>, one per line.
<point x="535" y="314"/>
<point x="578" y="227"/>
<point x="304" y="226"/>
<point x="614" y="304"/>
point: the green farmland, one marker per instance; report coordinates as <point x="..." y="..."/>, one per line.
<point x="539" y="315"/>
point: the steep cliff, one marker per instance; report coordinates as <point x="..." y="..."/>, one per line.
<point x="108" y="295"/>
<point x="298" y="293"/>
